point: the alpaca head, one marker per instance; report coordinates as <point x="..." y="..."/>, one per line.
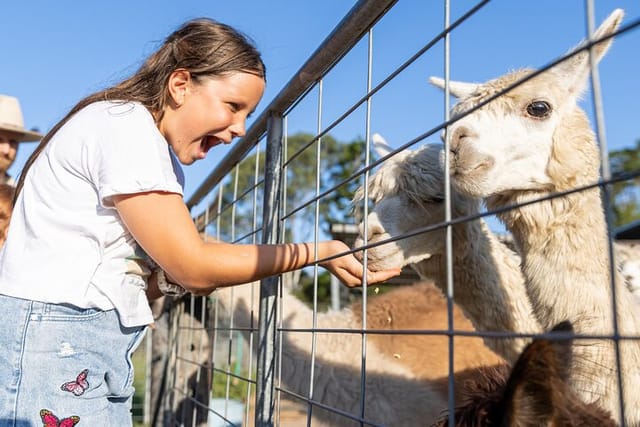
<point x="534" y="137"/>
<point x="535" y="392"/>
<point x="407" y="191"/>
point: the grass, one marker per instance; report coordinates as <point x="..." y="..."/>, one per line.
<point x="139" y="382"/>
<point x="237" y="387"/>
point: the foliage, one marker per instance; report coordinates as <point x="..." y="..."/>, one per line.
<point x="305" y="290"/>
<point x="237" y="387"/>
<point x="625" y="194"/>
<point x="139" y="383"/>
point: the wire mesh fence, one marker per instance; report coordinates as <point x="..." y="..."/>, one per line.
<point x="299" y="349"/>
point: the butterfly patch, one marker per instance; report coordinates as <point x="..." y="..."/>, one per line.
<point x="51" y="420"/>
<point x="78" y="386"/>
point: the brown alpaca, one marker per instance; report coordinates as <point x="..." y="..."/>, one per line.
<point x="422" y="307"/>
<point x="534" y="393"/>
<point x="406" y="374"/>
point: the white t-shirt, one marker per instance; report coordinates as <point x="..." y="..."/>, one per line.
<point x="66" y="242"/>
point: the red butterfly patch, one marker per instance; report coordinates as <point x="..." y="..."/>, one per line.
<point x="78" y="386"/>
<point x="51" y="420"/>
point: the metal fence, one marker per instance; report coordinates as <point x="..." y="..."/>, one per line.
<point x="257" y="354"/>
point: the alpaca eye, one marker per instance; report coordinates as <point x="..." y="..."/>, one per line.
<point x="539" y="109"/>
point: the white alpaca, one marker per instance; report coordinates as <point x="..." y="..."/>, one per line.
<point x="529" y="143"/>
<point x="408" y="191"/>
<point x="628" y="259"/>
<point x="406" y="375"/>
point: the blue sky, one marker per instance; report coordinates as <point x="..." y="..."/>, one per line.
<point x="56" y="52"/>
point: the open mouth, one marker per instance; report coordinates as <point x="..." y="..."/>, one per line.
<point x="208" y="142"/>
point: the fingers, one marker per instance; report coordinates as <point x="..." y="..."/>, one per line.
<point x="355" y="279"/>
<point x="350" y="271"/>
<point x="382" y="275"/>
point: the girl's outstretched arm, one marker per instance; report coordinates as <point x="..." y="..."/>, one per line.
<point x="162" y="225"/>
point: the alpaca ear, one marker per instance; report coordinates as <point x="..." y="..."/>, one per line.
<point x="380" y="145"/>
<point x="538" y="380"/>
<point x="382" y="149"/>
<point x="458" y="89"/>
<point x="575" y="71"/>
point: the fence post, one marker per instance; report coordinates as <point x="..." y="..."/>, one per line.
<point x="265" y="399"/>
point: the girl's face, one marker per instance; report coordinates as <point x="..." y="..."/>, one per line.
<point x="208" y="112"/>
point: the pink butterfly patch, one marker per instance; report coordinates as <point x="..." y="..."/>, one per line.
<point x="51" y="420"/>
<point x="78" y="386"/>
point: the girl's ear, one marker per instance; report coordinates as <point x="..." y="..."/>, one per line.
<point x="179" y="82"/>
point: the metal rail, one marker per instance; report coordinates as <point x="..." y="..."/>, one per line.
<point x="346" y="34"/>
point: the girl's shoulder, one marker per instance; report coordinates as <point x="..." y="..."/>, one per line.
<point x="115" y="110"/>
<point x="113" y="119"/>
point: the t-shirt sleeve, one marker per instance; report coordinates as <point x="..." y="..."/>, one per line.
<point x="133" y="157"/>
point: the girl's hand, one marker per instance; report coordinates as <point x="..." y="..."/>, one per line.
<point x="348" y="269"/>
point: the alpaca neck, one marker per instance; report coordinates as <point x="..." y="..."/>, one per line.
<point x="565" y="261"/>
<point x="488" y="286"/>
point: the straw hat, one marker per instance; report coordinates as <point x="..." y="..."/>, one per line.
<point x="11" y="119"/>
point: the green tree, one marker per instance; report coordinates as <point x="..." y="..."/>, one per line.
<point x="306" y="179"/>
<point x="625" y="193"/>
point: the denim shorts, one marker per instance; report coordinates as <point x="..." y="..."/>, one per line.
<point x="62" y="365"/>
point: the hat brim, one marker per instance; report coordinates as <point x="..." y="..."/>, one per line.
<point x="22" y="135"/>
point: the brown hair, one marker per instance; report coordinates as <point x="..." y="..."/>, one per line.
<point x="203" y="47"/>
<point x="7" y="193"/>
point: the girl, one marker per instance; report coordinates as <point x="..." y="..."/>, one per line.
<point x="104" y="186"/>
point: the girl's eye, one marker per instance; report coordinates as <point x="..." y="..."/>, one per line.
<point x="539" y="109"/>
<point x="234" y="107"/>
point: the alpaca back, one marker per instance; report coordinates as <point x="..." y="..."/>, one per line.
<point x="422" y="307"/>
<point x="394" y="397"/>
<point x="406" y="374"/>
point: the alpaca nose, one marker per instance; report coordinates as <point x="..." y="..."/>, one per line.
<point x="374" y="228"/>
<point x="457" y="137"/>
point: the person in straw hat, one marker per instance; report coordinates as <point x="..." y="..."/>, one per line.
<point x="12" y="132"/>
